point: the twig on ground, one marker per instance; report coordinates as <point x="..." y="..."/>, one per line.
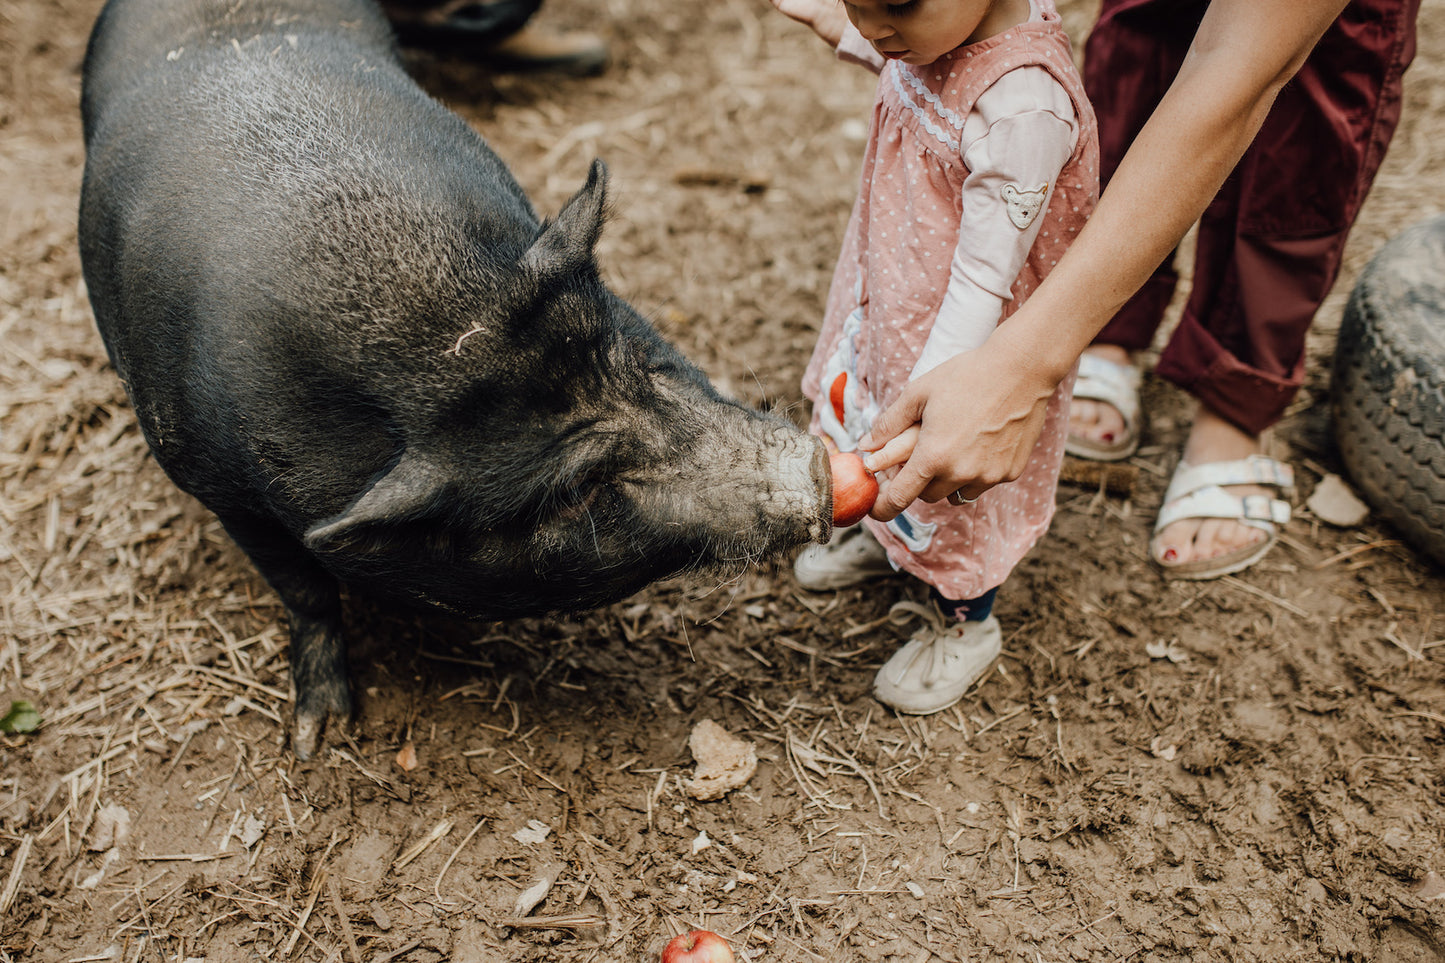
<point x="437" y="887"/>
<point x="17" y="866"/>
<point x="339" y="908"/>
<point x="437" y="832"/>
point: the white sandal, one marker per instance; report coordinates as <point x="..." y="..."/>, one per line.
<point x="1116" y="385"/>
<point x="1197" y="491"/>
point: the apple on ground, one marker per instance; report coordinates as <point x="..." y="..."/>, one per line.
<point x="699" y="946"/>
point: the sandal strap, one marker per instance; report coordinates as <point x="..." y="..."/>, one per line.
<point x="1256" y="511"/>
<point x="1254" y="470"/>
<point x="1114" y="384"/>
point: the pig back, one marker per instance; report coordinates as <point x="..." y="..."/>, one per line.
<point x="279" y="230"/>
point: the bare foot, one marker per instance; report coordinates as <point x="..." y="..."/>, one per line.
<point x="1192" y="539"/>
<point x="1098" y="421"/>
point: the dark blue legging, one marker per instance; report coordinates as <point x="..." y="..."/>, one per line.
<point x="967" y="610"/>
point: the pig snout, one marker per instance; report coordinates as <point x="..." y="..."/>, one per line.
<point x="776" y="482"/>
<point x="761" y="486"/>
<point x="796" y="484"/>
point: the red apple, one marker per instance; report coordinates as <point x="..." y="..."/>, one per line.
<point x="835" y="394"/>
<point x="699" y="946"/>
<point x="855" y="488"/>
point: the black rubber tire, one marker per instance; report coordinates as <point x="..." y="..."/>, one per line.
<point x="1389" y="385"/>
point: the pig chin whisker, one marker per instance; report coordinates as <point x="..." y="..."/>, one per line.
<point x="734" y="583"/>
<point x="592" y="522"/>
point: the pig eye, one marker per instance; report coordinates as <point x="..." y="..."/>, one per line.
<point x="579" y="496"/>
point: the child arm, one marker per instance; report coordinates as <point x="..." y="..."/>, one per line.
<point x="825" y="17"/>
<point x="828" y="20"/>
<point x="1029" y="134"/>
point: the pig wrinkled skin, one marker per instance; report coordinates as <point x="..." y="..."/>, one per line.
<point x="345" y="330"/>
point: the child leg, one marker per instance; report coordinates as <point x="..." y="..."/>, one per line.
<point x="953" y="649"/>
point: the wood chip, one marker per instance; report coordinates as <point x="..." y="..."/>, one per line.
<point x="1115" y="478"/>
<point x="532" y="896"/>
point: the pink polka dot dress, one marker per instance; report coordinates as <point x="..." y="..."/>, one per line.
<point x="899" y="256"/>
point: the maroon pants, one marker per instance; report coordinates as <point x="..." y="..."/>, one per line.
<point x="1271" y="242"/>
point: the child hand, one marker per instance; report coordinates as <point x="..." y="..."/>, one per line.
<point x="826" y="17"/>
<point x="897" y="451"/>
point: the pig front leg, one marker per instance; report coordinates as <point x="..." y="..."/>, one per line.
<point x="319" y="686"/>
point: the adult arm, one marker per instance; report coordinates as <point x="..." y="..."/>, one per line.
<point x="980" y="414"/>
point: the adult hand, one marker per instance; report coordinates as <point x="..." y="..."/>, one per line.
<point x="969" y="424"/>
<point x="826" y="17"/>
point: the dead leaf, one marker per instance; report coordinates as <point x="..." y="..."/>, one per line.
<point x="1334" y="502"/>
<point x="252" y="830"/>
<point x="112" y="827"/>
<point x="724" y="762"/>
<point x="534" y="832"/>
<point x="406" y="758"/>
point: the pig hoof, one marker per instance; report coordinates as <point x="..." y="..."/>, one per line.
<point x="306" y="736"/>
<point x="319" y="696"/>
<point x="309" y="725"/>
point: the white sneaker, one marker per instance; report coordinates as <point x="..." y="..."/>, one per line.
<point x="851" y="556"/>
<point x="935" y="668"/>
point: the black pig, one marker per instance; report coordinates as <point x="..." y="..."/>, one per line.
<point x="345" y="330"/>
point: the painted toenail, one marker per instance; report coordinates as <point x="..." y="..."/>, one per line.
<point x="1169" y="555"/>
<point x="1108" y="436"/>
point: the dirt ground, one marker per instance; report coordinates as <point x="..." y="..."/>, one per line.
<point x="1248" y="769"/>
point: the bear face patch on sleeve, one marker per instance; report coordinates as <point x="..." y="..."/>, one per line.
<point x="1024" y="206"/>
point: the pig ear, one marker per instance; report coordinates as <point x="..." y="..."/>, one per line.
<point x="409" y="489"/>
<point x="566" y="243"/>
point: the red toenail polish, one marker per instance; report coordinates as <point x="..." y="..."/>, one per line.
<point x="1170" y="555"/>
<point x="1108" y="436"/>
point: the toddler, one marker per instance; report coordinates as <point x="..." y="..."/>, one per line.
<point x="981" y="166"/>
